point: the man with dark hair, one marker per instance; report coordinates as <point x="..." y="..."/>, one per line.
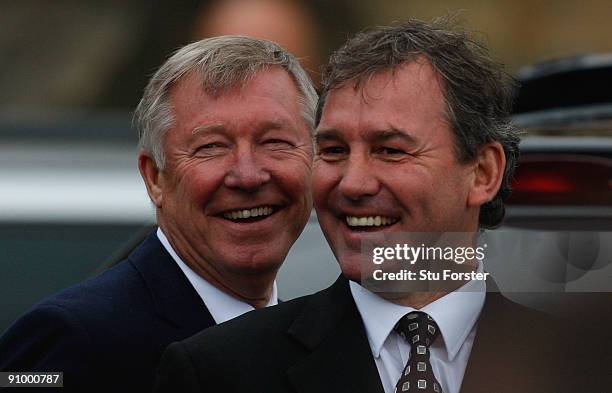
<point x="476" y="91"/>
<point x="225" y="151"/>
<point x="413" y="136"/>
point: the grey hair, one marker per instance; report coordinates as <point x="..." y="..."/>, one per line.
<point x="221" y="63"/>
<point x="477" y="90"/>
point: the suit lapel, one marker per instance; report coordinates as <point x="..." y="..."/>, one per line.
<point x="174" y="298"/>
<point x="339" y="359"/>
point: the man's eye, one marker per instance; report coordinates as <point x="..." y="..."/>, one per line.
<point x="210" y="146"/>
<point x="391" y="151"/>
<point x="332" y="153"/>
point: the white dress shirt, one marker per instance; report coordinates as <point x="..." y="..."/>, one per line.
<point x="221" y="306"/>
<point x="456" y="315"/>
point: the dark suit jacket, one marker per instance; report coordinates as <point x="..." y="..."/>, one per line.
<point x="318" y="344"/>
<point x="108" y="333"/>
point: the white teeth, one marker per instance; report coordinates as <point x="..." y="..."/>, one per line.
<point x="369" y="221"/>
<point x="248" y="213"/>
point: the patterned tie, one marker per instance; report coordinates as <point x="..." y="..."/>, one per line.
<point x="419" y="330"/>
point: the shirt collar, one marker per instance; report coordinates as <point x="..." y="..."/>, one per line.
<point x="221" y="305"/>
<point x="455" y="314"/>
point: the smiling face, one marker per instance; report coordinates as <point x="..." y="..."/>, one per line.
<point x="386" y="162"/>
<point x="235" y="191"/>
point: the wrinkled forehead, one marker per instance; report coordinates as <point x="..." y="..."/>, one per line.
<point x="410" y="91"/>
<point x="269" y="101"/>
<point x="416" y="76"/>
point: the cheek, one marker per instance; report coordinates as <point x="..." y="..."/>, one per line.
<point x="324" y="178"/>
<point x="414" y="190"/>
<point x="198" y="185"/>
<point x="301" y="176"/>
<point x="452" y="187"/>
<point x="295" y="176"/>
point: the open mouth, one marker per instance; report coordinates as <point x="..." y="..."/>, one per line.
<point x="250" y="215"/>
<point x="369" y="223"/>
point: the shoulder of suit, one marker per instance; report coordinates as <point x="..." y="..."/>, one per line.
<point x="68" y="323"/>
<point x="114" y="285"/>
<point x="90" y="306"/>
<point x="266" y="323"/>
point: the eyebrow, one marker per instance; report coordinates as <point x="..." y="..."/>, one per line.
<point x="273" y="125"/>
<point x="327" y="135"/>
<point x="208" y="128"/>
<point x="391" y="133"/>
<point x="370" y="136"/>
<point x="220" y="127"/>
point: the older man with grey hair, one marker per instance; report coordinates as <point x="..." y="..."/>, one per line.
<point x="225" y="153"/>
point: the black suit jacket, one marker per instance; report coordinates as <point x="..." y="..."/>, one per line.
<point x="108" y="333"/>
<point x="318" y="344"/>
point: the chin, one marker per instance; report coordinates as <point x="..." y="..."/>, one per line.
<point x="258" y="263"/>
<point x="350" y="267"/>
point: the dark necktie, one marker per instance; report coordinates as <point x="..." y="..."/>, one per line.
<point x="419" y="330"/>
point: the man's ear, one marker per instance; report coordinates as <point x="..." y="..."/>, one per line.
<point x="488" y="174"/>
<point x="152" y="177"/>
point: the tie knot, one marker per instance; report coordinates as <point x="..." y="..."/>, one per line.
<point x="417" y="328"/>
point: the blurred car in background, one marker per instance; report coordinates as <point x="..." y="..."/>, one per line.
<point x="564" y="181"/>
<point x="73" y="202"/>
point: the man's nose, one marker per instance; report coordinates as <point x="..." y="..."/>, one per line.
<point x="358" y="179"/>
<point x="246" y="172"/>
